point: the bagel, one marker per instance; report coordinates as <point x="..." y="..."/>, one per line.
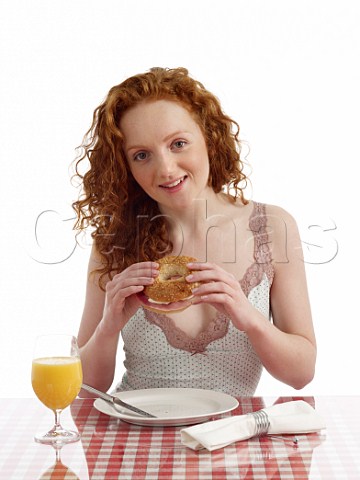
<point x="170" y="290"/>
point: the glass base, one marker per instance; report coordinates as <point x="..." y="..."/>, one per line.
<point x="58" y="436"/>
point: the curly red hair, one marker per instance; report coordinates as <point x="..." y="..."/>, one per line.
<point x="112" y="202"/>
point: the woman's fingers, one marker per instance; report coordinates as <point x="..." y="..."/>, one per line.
<point x="212" y="299"/>
<point x="208" y="272"/>
<point x="127" y="286"/>
<point x="127" y="283"/>
<point x="137" y="270"/>
<point x="120" y="295"/>
<point x="137" y="274"/>
<point x="215" y="288"/>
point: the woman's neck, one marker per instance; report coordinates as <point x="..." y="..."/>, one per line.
<point x="190" y="227"/>
<point x="210" y="204"/>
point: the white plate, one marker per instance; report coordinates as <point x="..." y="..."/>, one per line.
<point x="171" y="406"/>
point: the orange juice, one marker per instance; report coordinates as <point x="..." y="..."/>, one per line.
<point x="56" y="380"/>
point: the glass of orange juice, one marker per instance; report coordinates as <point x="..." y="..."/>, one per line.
<point x="56" y="378"/>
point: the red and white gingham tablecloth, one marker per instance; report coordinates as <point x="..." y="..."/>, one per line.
<point x="112" y="449"/>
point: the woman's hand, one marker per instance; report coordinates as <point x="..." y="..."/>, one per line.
<point x="220" y="289"/>
<point x="121" y="301"/>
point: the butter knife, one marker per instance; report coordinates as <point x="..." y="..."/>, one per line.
<point x="116" y="402"/>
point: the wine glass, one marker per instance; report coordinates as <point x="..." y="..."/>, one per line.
<point x="56" y="379"/>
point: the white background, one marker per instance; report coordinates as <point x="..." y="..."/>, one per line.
<point x="286" y="71"/>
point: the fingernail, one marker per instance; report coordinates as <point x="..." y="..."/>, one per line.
<point x="190" y="277"/>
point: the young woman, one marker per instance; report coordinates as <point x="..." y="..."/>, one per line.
<point x="166" y="177"/>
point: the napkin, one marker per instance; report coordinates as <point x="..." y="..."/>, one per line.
<point x="284" y="418"/>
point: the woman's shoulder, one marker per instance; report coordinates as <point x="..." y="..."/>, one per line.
<point x="266" y="213"/>
<point x="275" y="213"/>
<point x="283" y="232"/>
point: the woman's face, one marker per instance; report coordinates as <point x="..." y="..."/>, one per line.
<point x="166" y="152"/>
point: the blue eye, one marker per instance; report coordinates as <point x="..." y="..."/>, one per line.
<point x="140" y="156"/>
<point x="179" y="144"/>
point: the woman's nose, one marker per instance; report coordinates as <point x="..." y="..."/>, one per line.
<point x="166" y="163"/>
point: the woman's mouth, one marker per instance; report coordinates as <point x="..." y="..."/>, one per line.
<point x="175" y="184"/>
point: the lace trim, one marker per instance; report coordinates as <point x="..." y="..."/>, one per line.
<point x="219" y="326"/>
<point x="262" y="253"/>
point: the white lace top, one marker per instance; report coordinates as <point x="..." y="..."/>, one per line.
<point x="158" y="354"/>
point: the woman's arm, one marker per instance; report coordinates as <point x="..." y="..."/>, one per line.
<point x="286" y="347"/>
<point x="104" y="315"/>
<point x="292" y="334"/>
<point x="97" y="349"/>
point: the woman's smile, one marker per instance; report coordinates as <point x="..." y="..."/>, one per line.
<point x="175" y="185"/>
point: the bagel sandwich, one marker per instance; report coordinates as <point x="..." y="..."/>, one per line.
<point x="170" y="291"/>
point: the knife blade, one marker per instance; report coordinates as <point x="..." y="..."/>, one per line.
<point x="115" y="401"/>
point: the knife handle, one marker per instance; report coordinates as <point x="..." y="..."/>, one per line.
<point x="98" y="393"/>
<point x="115" y="400"/>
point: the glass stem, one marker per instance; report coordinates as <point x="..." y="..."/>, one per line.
<point x="57" y="419"/>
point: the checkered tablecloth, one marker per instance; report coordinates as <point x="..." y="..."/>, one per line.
<point x="112" y="449"/>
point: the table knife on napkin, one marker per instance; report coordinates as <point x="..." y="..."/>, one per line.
<point x="116" y="402"/>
